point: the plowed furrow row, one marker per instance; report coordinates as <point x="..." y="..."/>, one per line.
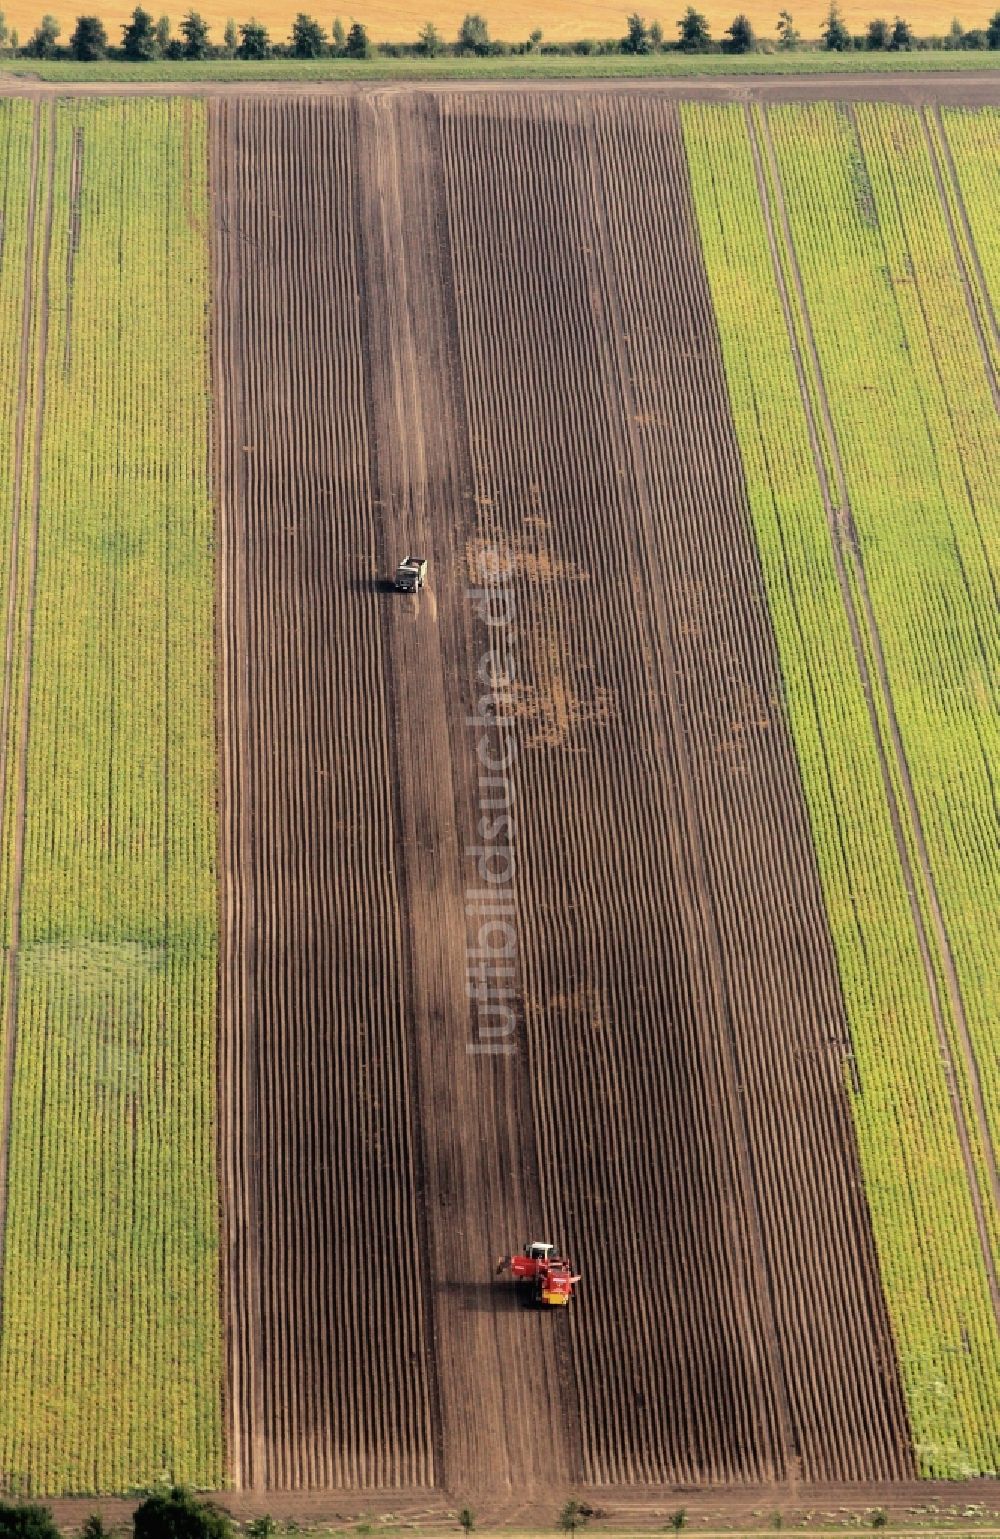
<point x="328" y="1378"/>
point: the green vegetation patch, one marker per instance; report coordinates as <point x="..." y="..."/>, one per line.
<point x="110" y="1355"/>
<point x="896" y="344"/>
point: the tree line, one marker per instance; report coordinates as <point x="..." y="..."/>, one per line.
<point x="145" y="39"/>
<point x="170" y="1513"/>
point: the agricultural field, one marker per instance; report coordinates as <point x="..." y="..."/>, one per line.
<point x="868" y="430"/>
<point x="633" y="884"/>
<point x="110" y="1349"/>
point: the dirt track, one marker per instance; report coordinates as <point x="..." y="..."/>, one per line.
<point x="477" y="325"/>
<point x="820" y="1510"/>
<point x="961" y="89"/>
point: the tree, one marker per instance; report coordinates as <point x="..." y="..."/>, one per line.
<point x="637" y="38"/>
<point x="254" y="41"/>
<point x="430" y="43"/>
<point x="572" y="1517"/>
<point x="788" y="38"/>
<point x="956" y="34"/>
<point x="902" y="36"/>
<point x="656" y="37"/>
<point x="308" y="37"/>
<point x="467" y="1519"/>
<point x="94" y="1528"/>
<point x="178" y="1514"/>
<point x="835" y="35"/>
<point x="24" y="1520"/>
<point x="194" y="31"/>
<point x="139" y="36"/>
<point x="740" y="36"/>
<point x="162" y="30"/>
<point x="678" y="1519"/>
<point x="878" y="34"/>
<point x="474" y="35"/>
<point x="357" y="45"/>
<point x="693" y="29"/>
<point x="339" y="36"/>
<point x="4" y="33"/>
<point x="993" y="31"/>
<point x="230" y="39"/>
<point x="42" y="42"/>
<point x="88" y="42"/>
<point x="880" y="1517"/>
<point x="534" y="40"/>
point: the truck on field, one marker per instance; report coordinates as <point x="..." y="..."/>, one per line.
<point x="411" y="574"/>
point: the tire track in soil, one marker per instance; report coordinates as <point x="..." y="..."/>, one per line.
<point x="239" y="1198"/>
<point x="847" y="555"/>
<point x="21" y="752"/>
<point x="478" y="1140"/>
<point x="73" y="244"/>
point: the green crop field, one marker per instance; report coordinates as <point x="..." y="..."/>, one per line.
<point x="110" y="1351"/>
<point x="855" y="329"/>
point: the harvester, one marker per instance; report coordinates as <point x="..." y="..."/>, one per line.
<point x="547" y="1278"/>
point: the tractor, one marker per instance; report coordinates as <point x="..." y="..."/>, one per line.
<point x="544" y="1277"/>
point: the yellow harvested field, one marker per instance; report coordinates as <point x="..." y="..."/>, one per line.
<point x="558" y="19"/>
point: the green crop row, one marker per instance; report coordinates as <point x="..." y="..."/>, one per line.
<point x="913" y="411"/>
<point x="110" y="1342"/>
<point x="972" y="141"/>
<point x="856" y="193"/>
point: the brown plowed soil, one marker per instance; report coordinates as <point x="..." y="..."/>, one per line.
<point x="476" y="326"/>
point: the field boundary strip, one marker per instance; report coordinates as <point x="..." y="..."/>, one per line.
<point x="934" y="945"/>
<point x="240" y="1205"/>
<point x="815" y="63"/>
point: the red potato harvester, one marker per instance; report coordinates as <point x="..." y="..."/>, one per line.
<point x="550" y="1278"/>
